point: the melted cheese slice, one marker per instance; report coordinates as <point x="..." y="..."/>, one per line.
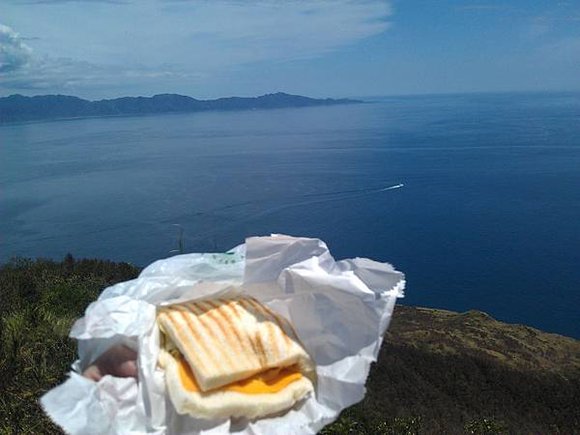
<point x="268" y="382"/>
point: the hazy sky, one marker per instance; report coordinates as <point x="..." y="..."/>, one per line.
<point x="212" y="48"/>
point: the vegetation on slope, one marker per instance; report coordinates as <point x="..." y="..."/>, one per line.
<point x="18" y="108"/>
<point x="438" y="371"/>
<point x="39" y="301"/>
<point x="444" y="372"/>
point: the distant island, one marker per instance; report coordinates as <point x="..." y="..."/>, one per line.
<point x="19" y="108"/>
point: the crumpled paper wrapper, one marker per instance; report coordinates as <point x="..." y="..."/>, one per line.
<point x="340" y="310"/>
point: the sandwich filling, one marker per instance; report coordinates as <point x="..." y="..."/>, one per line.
<point x="232" y="358"/>
<point x="268" y="382"/>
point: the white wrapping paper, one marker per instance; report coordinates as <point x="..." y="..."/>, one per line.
<point x="340" y="310"/>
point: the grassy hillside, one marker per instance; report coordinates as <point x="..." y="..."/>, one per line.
<point x="39" y="301"/>
<point x="445" y="372"/>
<point x="438" y="372"/>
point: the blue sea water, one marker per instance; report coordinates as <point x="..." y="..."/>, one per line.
<point x="488" y="218"/>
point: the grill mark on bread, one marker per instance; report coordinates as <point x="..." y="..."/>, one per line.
<point x="262" y="354"/>
<point x="227" y="327"/>
<point x="188" y="319"/>
<point x="233" y="328"/>
<point x="269" y="313"/>
<point x="204" y="317"/>
<point x="232" y="307"/>
<point x="270" y="328"/>
<point x="178" y="331"/>
<point x="256" y="338"/>
<point x="273" y="341"/>
<point x="285" y="325"/>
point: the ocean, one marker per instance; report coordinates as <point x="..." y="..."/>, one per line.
<point x="487" y="217"/>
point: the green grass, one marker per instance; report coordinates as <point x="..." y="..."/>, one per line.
<point x="39" y="301"/>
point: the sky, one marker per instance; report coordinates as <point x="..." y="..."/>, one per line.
<point x="341" y="48"/>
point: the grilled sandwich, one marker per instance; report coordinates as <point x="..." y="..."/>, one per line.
<point x="232" y="358"/>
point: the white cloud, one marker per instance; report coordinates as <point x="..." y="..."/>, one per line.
<point x="238" y="32"/>
<point x="65" y="75"/>
<point x="14" y="53"/>
<point x="175" y="42"/>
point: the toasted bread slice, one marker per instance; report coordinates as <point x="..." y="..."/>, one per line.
<point x="227" y="340"/>
<point x="232" y="358"/>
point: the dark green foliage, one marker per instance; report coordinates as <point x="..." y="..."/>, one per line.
<point x="39" y="301"/>
<point x="451" y="392"/>
<point x="485" y="426"/>
<point x="423" y="384"/>
<point x="353" y="421"/>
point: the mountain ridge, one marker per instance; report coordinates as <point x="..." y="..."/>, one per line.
<point x="20" y="108"/>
